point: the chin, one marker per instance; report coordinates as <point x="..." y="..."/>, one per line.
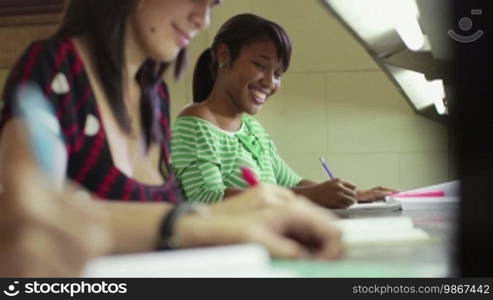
<point x="166" y="56"/>
<point x="253" y="110"/>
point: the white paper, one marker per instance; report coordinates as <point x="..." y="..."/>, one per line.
<point x="246" y="260"/>
<point x="380" y="231"/>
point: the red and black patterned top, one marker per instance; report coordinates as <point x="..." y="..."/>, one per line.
<point x="56" y="67"/>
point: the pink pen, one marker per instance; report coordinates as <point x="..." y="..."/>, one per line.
<point x="249" y="176"/>
<point x="423" y="194"/>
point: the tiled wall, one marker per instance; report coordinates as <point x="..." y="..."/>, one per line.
<point x="335" y="102"/>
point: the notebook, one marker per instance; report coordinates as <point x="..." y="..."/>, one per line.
<point x="381" y="231"/>
<point x="386" y="206"/>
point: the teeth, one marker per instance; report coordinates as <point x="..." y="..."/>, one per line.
<point x="260" y="95"/>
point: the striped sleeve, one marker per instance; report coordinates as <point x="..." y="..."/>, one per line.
<point x="195" y="161"/>
<point x="285" y="176"/>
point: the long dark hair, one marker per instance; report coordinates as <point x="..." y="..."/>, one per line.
<point x="237" y="32"/>
<point x="104" y="22"/>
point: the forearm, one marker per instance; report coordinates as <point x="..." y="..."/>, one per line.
<point x="14" y="147"/>
<point x="135" y="227"/>
<point x="305" y="188"/>
<point x="306" y="182"/>
<point x="306" y="191"/>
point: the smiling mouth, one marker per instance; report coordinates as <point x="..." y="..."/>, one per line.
<point x="259" y="97"/>
<point x="183" y="38"/>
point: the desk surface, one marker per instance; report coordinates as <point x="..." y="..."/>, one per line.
<point x="429" y="259"/>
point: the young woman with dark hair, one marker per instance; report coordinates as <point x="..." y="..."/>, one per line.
<point x="102" y="74"/>
<point x="102" y="71"/>
<point x="217" y="135"/>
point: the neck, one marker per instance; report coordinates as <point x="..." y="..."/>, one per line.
<point x="134" y="57"/>
<point x="224" y="108"/>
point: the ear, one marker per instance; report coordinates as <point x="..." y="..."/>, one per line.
<point x="222" y="54"/>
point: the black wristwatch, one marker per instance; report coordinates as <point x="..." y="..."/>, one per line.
<point x="166" y="239"/>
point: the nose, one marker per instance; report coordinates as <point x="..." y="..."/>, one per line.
<point x="270" y="81"/>
<point x="201" y="17"/>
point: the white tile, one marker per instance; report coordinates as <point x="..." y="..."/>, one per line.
<point x="181" y="91"/>
<point x="306" y="165"/>
<point x="363" y="170"/>
<point x="423" y="169"/>
<point x="366" y="170"/>
<point x="296" y="117"/>
<point x="366" y="114"/>
<point x="225" y="11"/>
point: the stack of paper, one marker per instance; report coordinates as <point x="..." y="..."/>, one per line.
<point x="450" y="188"/>
<point x="440" y="196"/>
<point x="380" y="232"/>
<point x="247" y="260"/>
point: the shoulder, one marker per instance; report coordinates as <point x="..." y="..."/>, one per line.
<point x="48" y="50"/>
<point x="39" y="64"/>
<point x="197" y="110"/>
<point x="48" y="44"/>
<point x="194" y="132"/>
<point x="198" y="116"/>
<point x="41" y="61"/>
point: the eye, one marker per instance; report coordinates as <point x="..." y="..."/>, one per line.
<point x="259" y="66"/>
<point x="216" y="3"/>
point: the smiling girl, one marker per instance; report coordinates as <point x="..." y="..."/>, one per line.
<point x="213" y="138"/>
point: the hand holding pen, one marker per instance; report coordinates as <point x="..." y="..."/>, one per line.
<point x="334" y="193"/>
<point x="374" y="194"/>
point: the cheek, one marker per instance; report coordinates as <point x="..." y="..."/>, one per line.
<point x="249" y="77"/>
<point x="157" y="42"/>
<point x="237" y="81"/>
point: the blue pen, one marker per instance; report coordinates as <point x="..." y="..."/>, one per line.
<point x="43" y="131"/>
<point x="326" y="168"/>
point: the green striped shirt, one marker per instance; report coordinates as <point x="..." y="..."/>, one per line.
<point x="207" y="159"/>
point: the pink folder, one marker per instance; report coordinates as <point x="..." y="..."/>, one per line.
<point x="428" y="194"/>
